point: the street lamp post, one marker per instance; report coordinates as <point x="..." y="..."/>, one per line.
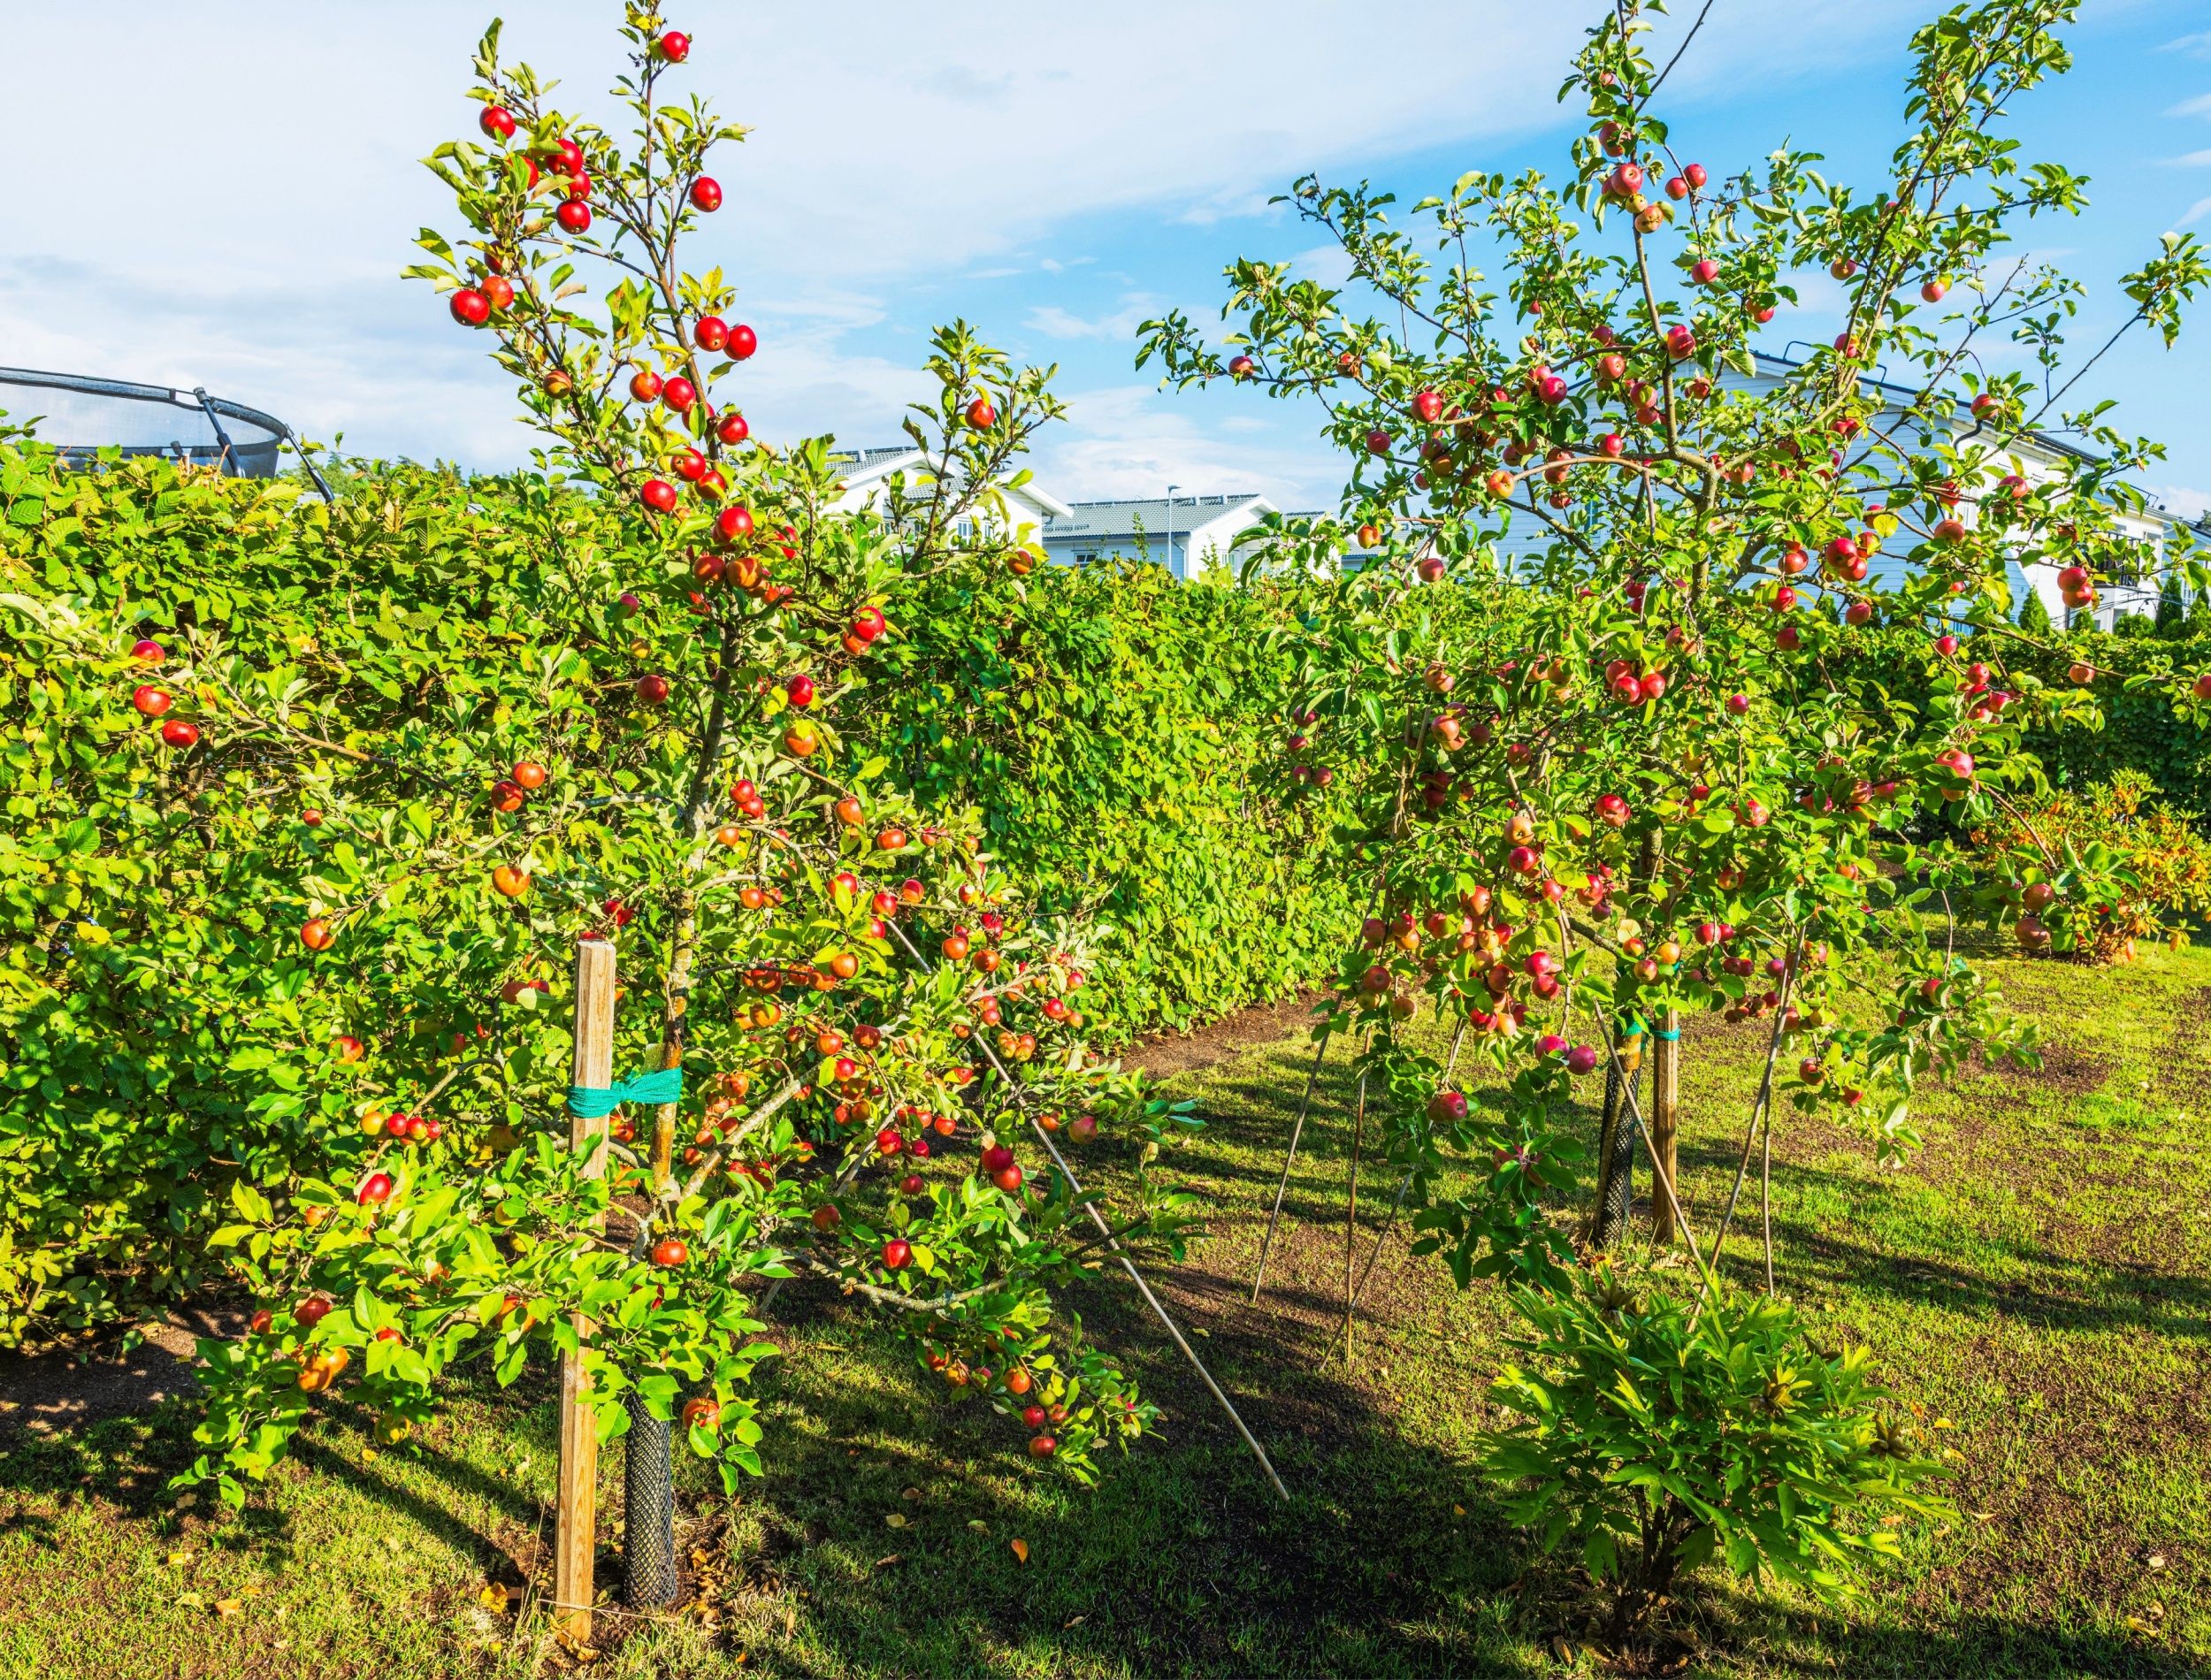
<point x="1171" y="489"/>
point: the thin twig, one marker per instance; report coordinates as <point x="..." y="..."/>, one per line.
<point x="1075" y="1188"/>
<point x="1289" y="1158"/>
<point x="1351" y="1217"/>
<point x="1759" y="1112"/>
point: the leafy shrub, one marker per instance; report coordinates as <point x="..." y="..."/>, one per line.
<point x="1656" y="1436"/>
<point x="2092" y="872"/>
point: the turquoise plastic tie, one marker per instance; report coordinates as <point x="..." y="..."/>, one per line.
<point x="662" y="1085"/>
<point x="1670" y="1033"/>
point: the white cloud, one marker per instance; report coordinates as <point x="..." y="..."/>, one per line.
<point x="2189" y="503"/>
<point x="1131" y="440"/>
<point x="1056" y="323"/>
<point x="887" y="161"/>
<point x="1231" y="203"/>
<point x="1327" y="264"/>
<point x="2189" y="160"/>
<point x="2199" y="106"/>
<point x="2196" y="46"/>
<point x="2196" y="212"/>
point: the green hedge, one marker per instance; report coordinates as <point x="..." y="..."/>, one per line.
<point x="1122" y="734"/>
<point x="2140" y="730"/>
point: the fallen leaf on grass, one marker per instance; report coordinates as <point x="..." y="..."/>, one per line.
<point x="1021" y="1549"/>
<point x="230" y="1607"/>
<point x="494" y="1597"/>
<point x="897" y="1519"/>
<point x="192" y="1601"/>
<point x="1076" y="1623"/>
<point x="978" y="1525"/>
<point x="2157" y="1559"/>
<point x="885" y="1562"/>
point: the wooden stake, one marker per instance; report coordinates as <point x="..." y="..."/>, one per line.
<point x="575" y="1543"/>
<point x="1665" y="1114"/>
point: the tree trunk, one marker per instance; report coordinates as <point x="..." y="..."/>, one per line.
<point x="1616" y="1154"/>
<point x="1665" y="1114"/>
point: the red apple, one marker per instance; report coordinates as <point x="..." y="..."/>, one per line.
<point x="706" y="193"/>
<point x="497" y="122"/>
<point x="179" y="734"/>
<point x="702" y="1412"/>
<point x="470" y="307"/>
<point x="653" y="689"/>
<point x="898" y="1254"/>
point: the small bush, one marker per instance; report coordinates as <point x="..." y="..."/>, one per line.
<point x="1658" y="1436"/>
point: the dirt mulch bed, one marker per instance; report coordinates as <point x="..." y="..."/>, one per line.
<point x="1172" y="1053"/>
<point x="67" y="1388"/>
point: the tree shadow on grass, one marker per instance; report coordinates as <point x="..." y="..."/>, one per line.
<point x="1390" y="1558"/>
<point x="1794" y="1640"/>
<point x="126" y="1463"/>
<point x="2053" y="1290"/>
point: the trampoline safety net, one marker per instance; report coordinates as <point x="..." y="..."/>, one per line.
<point x="79" y="414"/>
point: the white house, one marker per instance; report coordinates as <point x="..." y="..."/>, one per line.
<point x="1186" y="534"/>
<point x="866" y="472"/>
<point x="2038" y="456"/>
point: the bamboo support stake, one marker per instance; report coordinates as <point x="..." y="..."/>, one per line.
<point x="575" y="1542"/>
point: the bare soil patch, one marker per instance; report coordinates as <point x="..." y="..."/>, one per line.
<point x="70" y="1388"/>
<point x="1172" y="1053"/>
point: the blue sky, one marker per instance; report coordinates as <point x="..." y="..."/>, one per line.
<point x="227" y="199"/>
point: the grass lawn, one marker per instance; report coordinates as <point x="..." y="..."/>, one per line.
<point x="2041" y="1278"/>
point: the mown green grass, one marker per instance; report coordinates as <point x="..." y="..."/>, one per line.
<point x="2039" y="1281"/>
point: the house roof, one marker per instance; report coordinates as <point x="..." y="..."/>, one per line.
<point x="1902" y="396"/>
<point x="863" y="466"/>
<point x="1105" y="521"/>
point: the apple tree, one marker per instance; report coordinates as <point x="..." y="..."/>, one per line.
<point x="1649" y="778"/>
<point x="879" y="1049"/>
